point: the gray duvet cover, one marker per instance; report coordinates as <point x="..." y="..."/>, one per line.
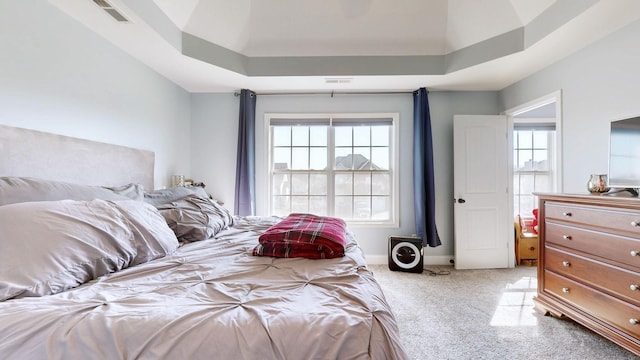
<point x="211" y="300"/>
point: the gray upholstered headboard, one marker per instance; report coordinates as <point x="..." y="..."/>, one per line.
<point x="32" y="153"/>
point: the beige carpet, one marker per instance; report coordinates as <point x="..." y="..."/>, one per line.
<point x="483" y="314"/>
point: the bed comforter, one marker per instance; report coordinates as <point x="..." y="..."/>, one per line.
<point x="212" y="299"/>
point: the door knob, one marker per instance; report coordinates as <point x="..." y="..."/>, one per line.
<point x="461" y="201"/>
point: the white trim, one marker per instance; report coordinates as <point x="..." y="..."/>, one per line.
<point x="512" y="243"/>
<point x="536" y="103"/>
<point x="534" y="120"/>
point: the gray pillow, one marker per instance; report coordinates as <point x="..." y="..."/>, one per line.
<point x="51" y="246"/>
<point x="132" y="191"/>
<point x="166" y="196"/>
<point x="23" y="189"/>
<point x="153" y="237"/>
<point x="193" y="218"/>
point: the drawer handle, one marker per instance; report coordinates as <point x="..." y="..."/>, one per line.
<point x="566" y="264"/>
<point x="532" y="248"/>
<point x="634" y="287"/>
<point x="566" y="237"/>
<point x="634" y="321"/>
<point x="566" y="214"/>
<point x="635" y="253"/>
<point x="565" y="290"/>
<point x="635" y="224"/>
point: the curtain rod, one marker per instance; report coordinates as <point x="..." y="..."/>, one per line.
<point x="331" y="93"/>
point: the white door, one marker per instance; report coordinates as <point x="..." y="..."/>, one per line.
<point x="483" y="227"/>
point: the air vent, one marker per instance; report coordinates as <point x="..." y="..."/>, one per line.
<point x="338" y="80"/>
<point x="102" y="3"/>
<point x="109" y="9"/>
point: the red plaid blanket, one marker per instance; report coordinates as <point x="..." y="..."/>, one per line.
<point x="304" y="235"/>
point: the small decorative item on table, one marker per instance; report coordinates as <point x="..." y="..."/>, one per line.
<point x="598" y="184"/>
<point x="177" y="180"/>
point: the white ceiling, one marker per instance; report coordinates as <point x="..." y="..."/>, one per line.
<point x="349" y="27"/>
<point x="360" y="45"/>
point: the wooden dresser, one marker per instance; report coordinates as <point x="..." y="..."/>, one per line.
<point x="589" y="263"/>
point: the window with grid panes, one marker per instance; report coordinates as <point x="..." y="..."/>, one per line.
<point x="338" y="165"/>
<point x="534" y="166"/>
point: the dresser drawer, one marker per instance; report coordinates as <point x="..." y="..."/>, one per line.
<point x="619" y="282"/>
<point x="622" y="315"/>
<point x="618" y="221"/>
<point x="618" y="248"/>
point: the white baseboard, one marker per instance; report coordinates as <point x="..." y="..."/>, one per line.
<point x="428" y="260"/>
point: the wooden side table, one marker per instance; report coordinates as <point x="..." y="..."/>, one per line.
<point x="526" y="246"/>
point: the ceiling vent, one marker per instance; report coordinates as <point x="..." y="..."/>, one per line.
<point x="109" y="9"/>
<point x="338" y="80"/>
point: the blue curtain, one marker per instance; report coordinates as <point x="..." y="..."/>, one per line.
<point x="423" y="182"/>
<point x="245" y="199"/>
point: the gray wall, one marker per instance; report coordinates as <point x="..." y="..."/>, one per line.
<point x="58" y="76"/>
<point x="598" y="84"/>
<point x="214" y="138"/>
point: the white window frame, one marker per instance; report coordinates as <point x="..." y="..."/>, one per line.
<point x="393" y="166"/>
<point x="551" y="158"/>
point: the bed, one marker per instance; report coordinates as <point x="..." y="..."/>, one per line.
<point x="119" y="272"/>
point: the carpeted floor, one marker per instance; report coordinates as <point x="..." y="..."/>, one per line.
<point x="483" y="314"/>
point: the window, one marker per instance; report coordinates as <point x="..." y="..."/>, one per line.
<point x="534" y="166"/>
<point x="334" y="165"/>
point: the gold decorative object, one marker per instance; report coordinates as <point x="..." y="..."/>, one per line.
<point x="598" y="184"/>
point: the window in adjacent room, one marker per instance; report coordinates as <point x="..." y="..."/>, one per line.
<point x="534" y="165"/>
<point x="341" y="165"/>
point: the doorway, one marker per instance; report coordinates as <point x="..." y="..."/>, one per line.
<point x="473" y="250"/>
<point x="535" y="138"/>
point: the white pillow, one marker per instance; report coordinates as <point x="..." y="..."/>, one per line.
<point x="51" y="246"/>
